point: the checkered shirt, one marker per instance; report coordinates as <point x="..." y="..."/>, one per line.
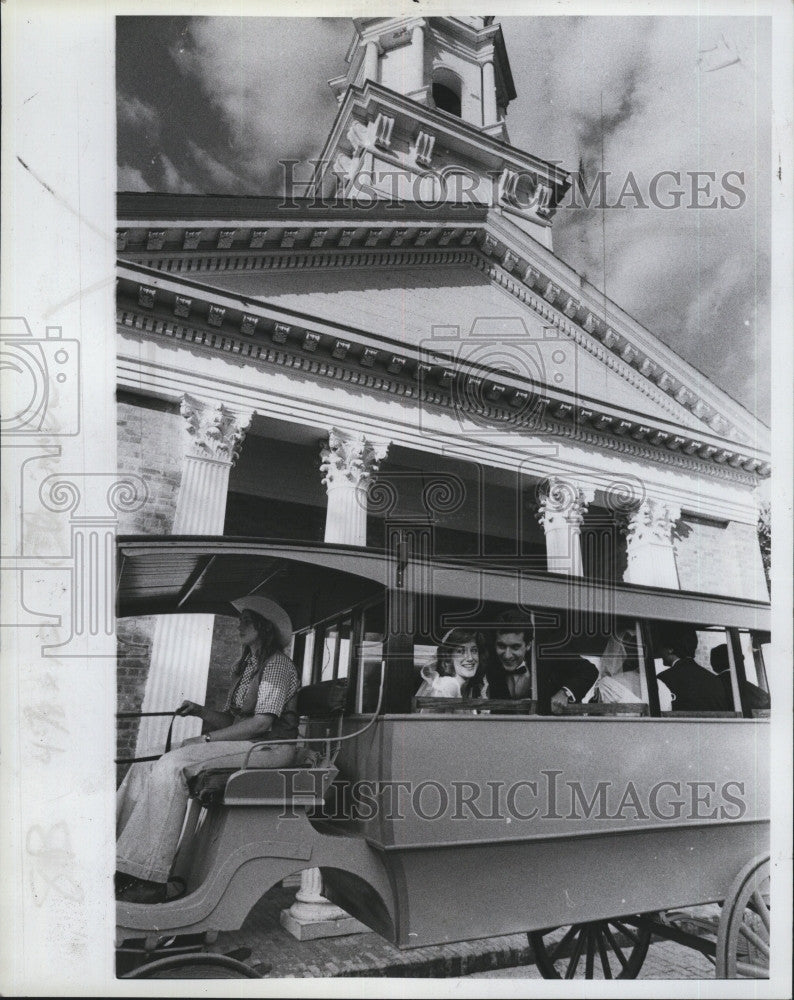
<point x="277" y="687"/>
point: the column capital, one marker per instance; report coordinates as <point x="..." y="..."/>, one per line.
<point x="350" y="459"/>
<point x="653" y="520"/>
<point x="563" y="501"/>
<point x="215" y="432"/>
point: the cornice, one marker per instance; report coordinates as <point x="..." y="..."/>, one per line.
<point x="208" y="263"/>
<point x="349" y="237"/>
<point x="452" y="132"/>
<point x="150" y="208"/>
<point x="249" y="330"/>
<point x="589" y="343"/>
<point x="161" y="375"/>
<point x="461" y="40"/>
<point x="390" y="32"/>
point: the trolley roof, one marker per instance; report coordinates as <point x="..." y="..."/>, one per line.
<point x="202" y="574"/>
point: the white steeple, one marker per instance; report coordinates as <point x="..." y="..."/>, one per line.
<point x="456" y="64"/>
<point x="422" y="111"/>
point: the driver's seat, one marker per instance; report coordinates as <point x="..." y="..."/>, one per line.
<point x="318" y="704"/>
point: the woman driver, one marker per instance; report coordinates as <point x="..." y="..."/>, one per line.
<point x="261" y="704"/>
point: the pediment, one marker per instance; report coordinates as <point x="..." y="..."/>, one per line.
<point x="460" y="312"/>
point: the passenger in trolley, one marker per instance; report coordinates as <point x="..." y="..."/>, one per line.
<point x="458" y="670"/>
<point x="620" y="681"/>
<point x="559" y="681"/>
<point x="693" y="687"/>
<point x="261" y="704"/>
<point x="755" y="697"/>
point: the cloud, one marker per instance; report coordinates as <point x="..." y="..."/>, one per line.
<point x="131" y="179"/>
<point x="267" y="79"/>
<point x="691" y="276"/>
<point x="173" y="179"/>
<point x="221" y="179"/>
<point x="135" y="113"/>
<point x="729" y="298"/>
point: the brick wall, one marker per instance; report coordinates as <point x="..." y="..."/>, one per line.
<point x="150" y="445"/>
<point x="749" y="562"/>
<point x="717" y="559"/>
<point x="225" y="653"/>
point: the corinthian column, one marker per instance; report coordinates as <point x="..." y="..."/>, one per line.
<point x="649" y="545"/>
<point x="561" y="509"/>
<point x="181" y="643"/>
<point x="347" y="462"/>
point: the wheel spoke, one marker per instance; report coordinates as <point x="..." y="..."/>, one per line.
<point x="750" y="971"/>
<point x="588" y="965"/>
<point x="583" y="951"/>
<point x="569" y="934"/>
<point x="604" y="955"/>
<point x="760" y="907"/>
<point x="743" y="934"/>
<point x="624" y="930"/>
<point x="615" y="946"/>
<point x="754" y="939"/>
<point x="570" y="972"/>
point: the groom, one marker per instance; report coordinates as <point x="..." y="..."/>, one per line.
<point x="560" y="681"/>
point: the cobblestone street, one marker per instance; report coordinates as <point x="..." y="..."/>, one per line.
<point x="665" y="960"/>
<point x="263" y="940"/>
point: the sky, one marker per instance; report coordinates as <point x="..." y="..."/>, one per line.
<point x="210" y="105"/>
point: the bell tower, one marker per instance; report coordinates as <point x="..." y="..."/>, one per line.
<point x="458" y="65"/>
<point x="422" y="117"/>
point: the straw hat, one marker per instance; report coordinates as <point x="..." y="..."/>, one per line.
<point x="268" y="609"/>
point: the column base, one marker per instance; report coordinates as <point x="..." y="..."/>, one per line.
<point x="309" y="927"/>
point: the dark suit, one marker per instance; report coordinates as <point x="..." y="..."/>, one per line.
<point x="752" y="695"/>
<point x="572" y="672"/>
<point x="695" y="688"/>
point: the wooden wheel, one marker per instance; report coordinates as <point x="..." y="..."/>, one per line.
<point x="743" y="932"/>
<point x="601" y="949"/>
<point x="196" y="965"/>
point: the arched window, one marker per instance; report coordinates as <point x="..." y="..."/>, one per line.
<point x="446" y="99"/>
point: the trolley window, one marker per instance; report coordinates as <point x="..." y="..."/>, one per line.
<point x="368" y="657"/>
<point x="617" y="651"/>
<point x="692" y="666"/>
<point x="303" y="655"/>
<point x="753" y="681"/>
<point x="750" y="645"/>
